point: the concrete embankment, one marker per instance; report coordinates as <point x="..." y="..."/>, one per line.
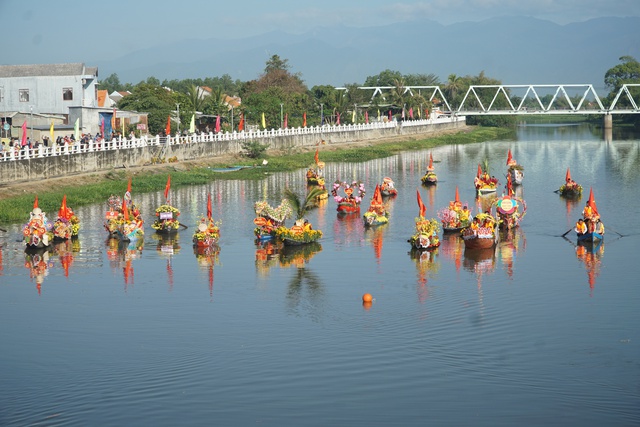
<point x="38" y="168"/>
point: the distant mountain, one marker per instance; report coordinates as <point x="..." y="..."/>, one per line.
<point x="515" y="50"/>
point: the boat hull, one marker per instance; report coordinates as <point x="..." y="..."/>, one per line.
<point x="589" y="237"/>
<point x="348" y="208"/>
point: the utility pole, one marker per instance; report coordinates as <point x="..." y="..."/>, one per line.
<point x="281" y="117"/>
<point x="178" y="107"/>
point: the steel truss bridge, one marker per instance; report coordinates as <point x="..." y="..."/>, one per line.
<point x="544" y="99"/>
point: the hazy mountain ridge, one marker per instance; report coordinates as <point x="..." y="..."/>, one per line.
<point x="515" y="50"/>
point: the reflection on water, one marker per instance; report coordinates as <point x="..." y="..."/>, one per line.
<point x="590" y="254"/>
<point x="121" y="256"/>
<point x="66" y="251"/>
<point x="207" y="257"/>
<point x="375" y="236"/>
<point x="512" y="242"/>
<point x="427" y="267"/>
<point x="38" y="264"/>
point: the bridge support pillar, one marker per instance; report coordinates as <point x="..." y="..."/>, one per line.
<point x="608" y="121"/>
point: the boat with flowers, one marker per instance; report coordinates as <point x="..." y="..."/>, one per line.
<point x="207" y="232"/>
<point x="123" y="219"/>
<point x="268" y="219"/>
<point x="430" y="177"/>
<point x="484" y="183"/>
<point x="166" y="221"/>
<point x="510" y="210"/>
<point x="426" y="233"/>
<point x="377" y="213"/>
<point x="456" y="216"/>
<point x="590" y="228"/>
<point x="388" y="188"/>
<point x="67" y="225"/>
<point x="481" y="233"/>
<point x="315" y="177"/>
<point x="38" y="231"/>
<point x="349" y="203"/>
<point x="514" y="170"/>
<point x="570" y="189"/>
<point x="301" y="233"/>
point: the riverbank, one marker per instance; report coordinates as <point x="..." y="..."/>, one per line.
<point x="16" y="199"/>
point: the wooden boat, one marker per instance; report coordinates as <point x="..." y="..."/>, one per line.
<point x="388" y="188"/>
<point x="510" y="210"/>
<point x="348" y="203"/>
<point x="166" y="222"/>
<point x="130" y="224"/>
<point x="455" y="217"/>
<point x="37" y="231"/>
<point x="426" y="233"/>
<point x="268" y="219"/>
<point x="589" y="228"/>
<point x="430" y="177"/>
<point x="67" y="225"/>
<point x="315" y="174"/>
<point x="377" y="213"/>
<point x="515" y="171"/>
<point x="485" y="184"/>
<point x="302" y="233"/>
<point x="570" y="189"/>
<point x="482" y="233"/>
<point x="207" y="232"/>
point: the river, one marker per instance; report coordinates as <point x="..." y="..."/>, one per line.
<point x="538" y="332"/>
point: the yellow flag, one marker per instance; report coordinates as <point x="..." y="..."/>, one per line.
<point x="378" y="114"/>
<point x="353" y="116"/>
<point x="192" y="125"/>
<point x="76" y="130"/>
<point x="264" y="123"/>
<point x="51" y="132"/>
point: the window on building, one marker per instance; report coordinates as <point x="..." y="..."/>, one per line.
<point x="24" y="95"/>
<point x="67" y="94"/>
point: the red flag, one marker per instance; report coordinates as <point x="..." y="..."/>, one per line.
<point x="304" y="119"/>
<point x="24" y="134"/>
<point x="411" y="112"/>
<point x="430" y="161"/>
<point x="316" y="157"/>
<point x="209" y="213"/>
<point x="113" y="119"/>
<point x="167" y="187"/>
<point x="129" y="186"/>
<point x="167" y="128"/>
<point x="241" y="124"/>
<point x="457" y="195"/>
<point x="62" y="212"/>
<point x="510" y="191"/>
<point x="389" y="115"/>
<point x="423" y="208"/>
<point x="567" y="177"/>
<point x="286" y="120"/>
<point x="125" y="210"/>
<point x="102" y="127"/>
<point x="218" y="124"/>
<point x="337" y="118"/>
<point x="479" y="170"/>
<point x="366" y="117"/>
<point x="35" y="202"/>
<point x="592" y="203"/>
<point x="509" y="158"/>
<point x="377" y="195"/>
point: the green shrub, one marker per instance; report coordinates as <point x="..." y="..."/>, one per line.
<point x="253" y="149"/>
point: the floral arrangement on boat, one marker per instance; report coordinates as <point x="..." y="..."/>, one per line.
<point x="570" y="188"/>
<point x="166" y="219"/>
<point x="377" y="213"/>
<point x="315" y="174"/>
<point x="349" y="202"/>
<point x="430" y="177"/>
<point x="129" y="223"/>
<point x="510" y="210"/>
<point x="484" y="183"/>
<point x="426" y="232"/>
<point x="514" y="170"/>
<point x="208" y="231"/>
<point x="388" y="188"/>
<point x="38" y="231"/>
<point x="481" y="234"/>
<point x="302" y="232"/>
<point x="268" y="218"/>
<point x="67" y="225"/>
<point x="114" y="209"/>
<point x="456" y="216"/>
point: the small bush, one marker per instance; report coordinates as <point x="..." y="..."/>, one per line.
<point x="253" y="149"/>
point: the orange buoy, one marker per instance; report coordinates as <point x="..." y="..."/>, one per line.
<point x="367" y="298"/>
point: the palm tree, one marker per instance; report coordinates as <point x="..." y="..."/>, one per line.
<point x="453" y="86"/>
<point x="300" y="206"/>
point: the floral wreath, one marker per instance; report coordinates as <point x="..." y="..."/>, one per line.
<point x="279" y="214"/>
<point x="348" y="189"/>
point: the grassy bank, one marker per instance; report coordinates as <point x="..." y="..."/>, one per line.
<point x="96" y="188"/>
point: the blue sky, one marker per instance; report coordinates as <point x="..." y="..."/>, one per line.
<point x="45" y="31"/>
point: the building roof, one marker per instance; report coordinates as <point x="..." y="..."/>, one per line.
<point x="47" y="70"/>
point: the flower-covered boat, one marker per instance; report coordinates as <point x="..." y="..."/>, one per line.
<point x="388" y="188"/>
<point x="430" y="177"/>
<point x="38" y="231"/>
<point x="67" y="225"/>
<point x="481" y="233"/>
<point x="377" y="213"/>
<point x="123" y="219"/>
<point x="302" y="232"/>
<point x="114" y="209"/>
<point x="348" y="203"/>
<point x="510" y="210"/>
<point x="484" y="183"/>
<point x="268" y="219"/>
<point x="570" y="188"/>
<point x="315" y="178"/>
<point x="166" y="221"/>
<point x="514" y="170"/>
<point x="456" y="216"/>
<point x="208" y="231"/>
<point x="426" y="234"/>
<point x="590" y="228"/>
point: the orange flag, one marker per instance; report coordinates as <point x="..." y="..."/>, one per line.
<point x="592" y="203"/>
<point x="62" y="212"/>
<point x="509" y="158"/>
<point x="377" y="195"/>
<point x="167" y="129"/>
<point x="430" y="162"/>
<point x="35" y="202"/>
<point x="241" y="124"/>
<point x="209" y="206"/>
<point x="125" y="210"/>
<point x="316" y="157"/>
<point x="167" y="187"/>
<point x="423" y="208"/>
<point x="567" y="177"/>
<point x="457" y="195"/>
<point x="304" y="119"/>
<point x="479" y="170"/>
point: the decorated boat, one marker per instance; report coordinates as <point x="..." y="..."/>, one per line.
<point x="484" y="183"/>
<point x="166" y="221"/>
<point x="426" y="233"/>
<point x="130" y="224"/>
<point x="67" y="225"/>
<point x="481" y="233"/>
<point x="114" y="210"/>
<point x="315" y="177"/>
<point x="207" y="232"/>
<point x="514" y="170"/>
<point x="301" y="233"/>
<point x="268" y="219"/>
<point x="388" y="188"/>
<point x="570" y="188"/>
<point x="510" y="210"/>
<point x="590" y="228"/>
<point x="38" y="231"/>
<point x="456" y="216"/>
<point x="349" y="203"/>
<point x="377" y="213"/>
<point x="430" y="177"/>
